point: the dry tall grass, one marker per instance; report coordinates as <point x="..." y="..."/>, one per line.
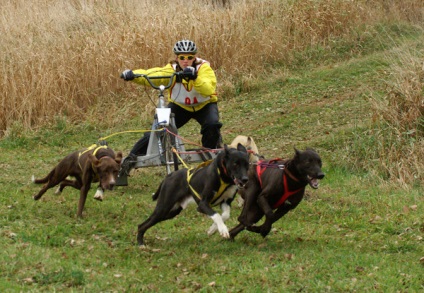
<point x="64" y="57"/>
<point x="400" y="116"/>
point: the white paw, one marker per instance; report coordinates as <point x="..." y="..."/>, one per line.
<point x="98" y="195"/>
<point x="224" y="232"/>
<point x="212" y="229"/>
<point x="57" y="191"/>
<point x="33" y="178"/>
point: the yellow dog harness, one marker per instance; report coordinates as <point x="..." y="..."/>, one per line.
<point x="93" y="146"/>
<point x="222" y="187"/>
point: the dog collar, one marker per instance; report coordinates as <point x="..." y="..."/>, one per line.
<point x="273" y="164"/>
<point x="223" y="168"/>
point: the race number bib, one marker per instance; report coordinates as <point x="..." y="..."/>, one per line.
<point x="181" y="95"/>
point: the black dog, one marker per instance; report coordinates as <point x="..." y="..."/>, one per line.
<point x="275" y="187"/>
<point x="209" y="185"/>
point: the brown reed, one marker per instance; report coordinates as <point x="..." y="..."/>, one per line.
<point x="64" y="57"/>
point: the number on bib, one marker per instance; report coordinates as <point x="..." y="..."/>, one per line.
<point x="188" y="101"/>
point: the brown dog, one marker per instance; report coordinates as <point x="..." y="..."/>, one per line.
<point x="275" y="187"/>
<point x="95" y="164"/>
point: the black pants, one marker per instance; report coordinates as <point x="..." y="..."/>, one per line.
<point x="207" y="117"/>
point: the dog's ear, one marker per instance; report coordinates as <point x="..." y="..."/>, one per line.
<point x="241" y="148"/>
<point x="297" y="153"/>
<point x="249" y="141"/>
<point x="118" y="157"/>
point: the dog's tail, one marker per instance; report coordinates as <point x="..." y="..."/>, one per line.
<point x="156" y="194"/>
<point x="42" y="180"/>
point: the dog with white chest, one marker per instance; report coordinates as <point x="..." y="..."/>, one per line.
<point x="210" y="184"/>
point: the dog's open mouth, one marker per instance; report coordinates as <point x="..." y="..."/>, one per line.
<point x="239" y="183"/>
<point x="313" y="182"/>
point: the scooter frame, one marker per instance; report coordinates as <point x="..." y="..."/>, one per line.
<point x="165" y="146"/>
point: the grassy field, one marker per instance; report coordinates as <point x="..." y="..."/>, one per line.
<point x="358" y="102"/>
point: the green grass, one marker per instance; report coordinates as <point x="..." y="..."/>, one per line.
<point x="354" y="234"/>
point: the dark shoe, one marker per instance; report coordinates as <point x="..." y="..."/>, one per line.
<point x="127" y="165"/>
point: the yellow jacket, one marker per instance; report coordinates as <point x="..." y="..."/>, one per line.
<point x="191" y="95"/>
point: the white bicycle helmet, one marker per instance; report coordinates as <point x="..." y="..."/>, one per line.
<point x="184" y="47"/>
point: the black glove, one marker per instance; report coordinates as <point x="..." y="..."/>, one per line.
<point x="179" y="77"/>
<point x="127" y="75"/>
<point x="190" y="73"/>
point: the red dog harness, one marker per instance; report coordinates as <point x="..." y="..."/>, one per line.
<point x="261" y="167"/>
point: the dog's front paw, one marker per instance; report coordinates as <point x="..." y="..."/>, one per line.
<point x="212" y="229"/>
<point x="264" y="230"/>
<point x="98" y="195"/>
<point x="224" y="232"/>
<point x="222" y="228"/>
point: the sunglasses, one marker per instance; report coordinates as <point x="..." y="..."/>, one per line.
<point x="186" y="57"/>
